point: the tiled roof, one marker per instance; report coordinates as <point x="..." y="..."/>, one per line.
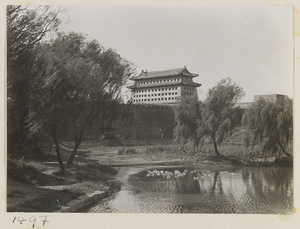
<point x="164" y="73"/>
<point x="193" y="84"/>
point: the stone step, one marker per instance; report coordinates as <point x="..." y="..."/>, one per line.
<point x="83" y="201"/>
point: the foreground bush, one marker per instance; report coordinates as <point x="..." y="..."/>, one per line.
<point x="127" y="151"/>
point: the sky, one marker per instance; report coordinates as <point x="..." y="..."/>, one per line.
<point x="253" y="45"/>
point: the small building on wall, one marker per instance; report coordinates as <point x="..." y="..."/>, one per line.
<point x="167" y="87"/>
<point x="270" y="97"/>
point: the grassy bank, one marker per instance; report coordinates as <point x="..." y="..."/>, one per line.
<point x="236" y="152"/>
<point x="37" y="186"/>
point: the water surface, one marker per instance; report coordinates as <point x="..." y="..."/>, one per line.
<point x="259" y="190"/>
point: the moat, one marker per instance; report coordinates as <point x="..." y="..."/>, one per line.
<point x="250" y="190"/>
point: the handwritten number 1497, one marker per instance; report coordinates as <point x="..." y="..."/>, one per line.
<point x="31" y="219"/>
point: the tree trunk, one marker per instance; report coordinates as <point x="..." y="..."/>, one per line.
<point x="215" y="180"/>
<point x="77" y="144"/>
<point x="213" y="136"/>
<point x="283" y="150"/>
<point x="58" y="154"/>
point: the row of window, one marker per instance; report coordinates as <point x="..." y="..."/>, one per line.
<point x="159" y="89"/>
<point x="187" y="93"/>
<point x="162" y="81"/>
<point x="188" y="88"/>
<point x="155" y="99"/>
<point x="159" y="94"/>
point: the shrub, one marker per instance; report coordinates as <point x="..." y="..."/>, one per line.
<point x="127" y="151"/>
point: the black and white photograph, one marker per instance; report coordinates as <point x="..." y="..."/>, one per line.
<point x="149" y="109"/>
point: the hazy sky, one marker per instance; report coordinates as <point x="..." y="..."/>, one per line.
<point x="251" y="44"/>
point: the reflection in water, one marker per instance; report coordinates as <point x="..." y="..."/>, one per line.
<point x="250" y="190"/>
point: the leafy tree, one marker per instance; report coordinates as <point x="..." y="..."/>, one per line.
<point x="218" y="112"/>
<point x="270" y="124"/>
<point x="25" y="28"/>
<point x="99" y="117"/>
<point x="213" y="118"/>
<point x="187" y="119"/>
<point x="75" y="83"/>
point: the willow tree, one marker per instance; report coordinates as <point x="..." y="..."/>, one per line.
<point x="74" y="82"/>
<point x="270" y="125"/>
<point x="26" y="27"/>
<point x="219" y="111"/>
<point x="187" y="119"/>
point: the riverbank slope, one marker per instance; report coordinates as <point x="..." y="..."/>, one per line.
<point x="37" y="185"/>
